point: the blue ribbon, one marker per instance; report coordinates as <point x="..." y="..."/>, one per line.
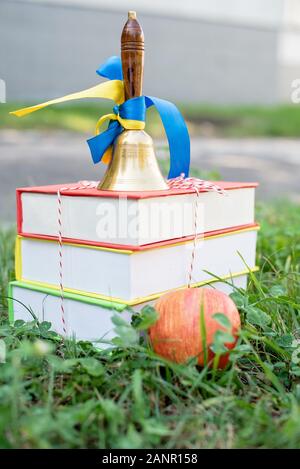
<point x="135" y="109"/>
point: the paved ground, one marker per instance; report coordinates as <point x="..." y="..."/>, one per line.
<point x="274" y="163"/>
<point x="35" y="158"/>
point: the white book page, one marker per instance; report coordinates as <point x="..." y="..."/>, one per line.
<point x="132" y="222"/>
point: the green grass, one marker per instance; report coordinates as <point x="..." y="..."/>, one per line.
<point x="59" y="394"/>
<point x="208" y="120"/>
<point x="244" y="121"/>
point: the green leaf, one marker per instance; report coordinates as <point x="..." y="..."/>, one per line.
<point x="280" y="365"/>
<point x="148" y="317"/>
<point x="295" y="370"/>
<point x="92" y="366"/>
<point x="154" y="427"/>
<point x="61" y="365"/>
<point x="243" y="348"/>
<point x="45" y="326"/>
<point x="285" y="340"/>
<point x="222" y="320"/>
<point x="240" y="300"/>
<point x="220" y="339"/>
<point x="117" y="320"/>
<point x="257" y="317"/>
<point x="127" y="335"/>
<point x="19" y="323"/>
<point x="277" y="290"/>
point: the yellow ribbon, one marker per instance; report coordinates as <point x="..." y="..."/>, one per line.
<point x="128" y="124"/>
<point x="112" y="89"/>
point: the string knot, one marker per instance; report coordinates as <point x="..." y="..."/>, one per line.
<point x="194" y="183"/>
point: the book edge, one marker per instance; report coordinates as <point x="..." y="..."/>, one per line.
<point x="70" y="294"/>
<point x="131" y="249"/>
<point x="52" y="189"/>
<point x="10" y="301"/>
<point x="101" y="300"/>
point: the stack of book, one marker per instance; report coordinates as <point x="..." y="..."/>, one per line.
<point x="121" y="251"/>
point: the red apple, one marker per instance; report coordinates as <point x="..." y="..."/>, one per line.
<point x="177" y="334"/>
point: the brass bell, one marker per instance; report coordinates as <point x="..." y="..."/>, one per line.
<point x="133" y="166"/>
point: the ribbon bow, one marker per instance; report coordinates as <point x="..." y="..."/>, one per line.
<point x="128" y="115"/>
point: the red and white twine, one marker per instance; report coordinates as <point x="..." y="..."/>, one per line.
<point x="198" y="185"/>
<point x="79" y="185"/>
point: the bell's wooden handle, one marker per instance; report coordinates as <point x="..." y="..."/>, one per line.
<point x="132" y="53"/>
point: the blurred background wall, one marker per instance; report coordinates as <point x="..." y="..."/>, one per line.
<point x="216" y="51"/>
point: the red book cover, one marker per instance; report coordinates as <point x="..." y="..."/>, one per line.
<point x="67" y="190"/>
